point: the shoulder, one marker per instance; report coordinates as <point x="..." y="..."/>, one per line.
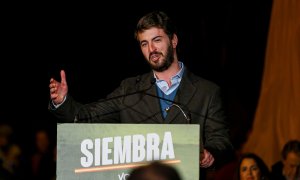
<point x="138" y="79"/>
<point x="199" y="81"/>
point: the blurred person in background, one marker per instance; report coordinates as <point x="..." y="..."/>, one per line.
<point x="42" y="160"/>
<point x="5" y="134"/>
<point x="252" y="167"/>
<point x="289" y="167"/>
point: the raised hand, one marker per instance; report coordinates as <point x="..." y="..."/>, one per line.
<point x="58" y="90"/>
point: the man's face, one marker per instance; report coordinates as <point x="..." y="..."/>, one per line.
<point x="157" y="48"/>
<point x="291" y="164"/>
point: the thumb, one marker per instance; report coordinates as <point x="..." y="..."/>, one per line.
<point x="63" y="77"/>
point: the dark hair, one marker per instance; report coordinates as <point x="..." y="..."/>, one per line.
<point x="264" y="170"/>
<point x="154" y="171"/>
<point x="291" y="146"/>
<point x="157" y="19"/>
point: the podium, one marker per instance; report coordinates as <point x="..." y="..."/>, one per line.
<point x="111" y="151"/>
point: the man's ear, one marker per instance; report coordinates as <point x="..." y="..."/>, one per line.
<point x="174" y="41"/>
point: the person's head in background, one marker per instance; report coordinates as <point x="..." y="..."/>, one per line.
<point x="42" y="141"/>
<point x="291" y="159"/>
<point x="251" y="166"/>
<point x="154" y="171"/>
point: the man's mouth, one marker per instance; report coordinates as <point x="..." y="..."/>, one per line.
<point x="154" y="57"/>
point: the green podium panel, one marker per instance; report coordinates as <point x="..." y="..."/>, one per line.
<point x="111" y="151"/>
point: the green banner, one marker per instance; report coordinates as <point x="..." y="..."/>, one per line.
<point x="111" y="151"/>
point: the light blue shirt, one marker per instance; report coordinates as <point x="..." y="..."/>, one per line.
<point x="175" y="81"/>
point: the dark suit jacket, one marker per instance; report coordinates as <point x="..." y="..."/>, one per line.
<point x="136" y="101"/>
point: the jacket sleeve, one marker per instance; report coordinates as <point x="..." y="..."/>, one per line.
<point x="217" y="139"/>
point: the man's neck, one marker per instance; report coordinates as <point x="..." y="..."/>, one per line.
<point x="167" y="74"/>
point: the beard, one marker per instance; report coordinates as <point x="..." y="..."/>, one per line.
<point x="166" y="61"/>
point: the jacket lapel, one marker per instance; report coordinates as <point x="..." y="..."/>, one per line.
<point x="151" y="100"/>
<point x="183" y="96"/>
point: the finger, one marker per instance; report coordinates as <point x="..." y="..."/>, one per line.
<point x="63" y="77"/>
<point x="204" y="165"/>
<point x="52" y="85"/>
<point x="53" y="90"/>
<point x="53" y="96"/>
<point x="205" y="156"/>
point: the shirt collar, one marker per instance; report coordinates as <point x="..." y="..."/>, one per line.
<point x="175" y="81"/>
<point x="178" y="75"/>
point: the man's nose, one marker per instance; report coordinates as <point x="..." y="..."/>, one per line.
<point x="152" y="47"/>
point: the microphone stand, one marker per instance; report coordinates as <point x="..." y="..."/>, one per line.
<point x="187" y="116"/>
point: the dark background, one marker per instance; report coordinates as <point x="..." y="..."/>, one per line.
<point x="223" y="41"/>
